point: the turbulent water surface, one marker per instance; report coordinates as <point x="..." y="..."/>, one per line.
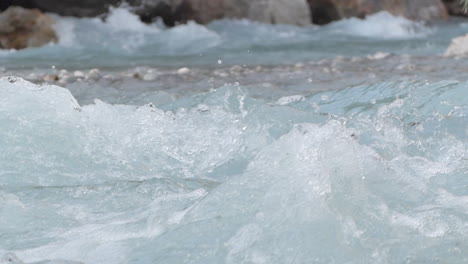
<point x="236" y="142"/>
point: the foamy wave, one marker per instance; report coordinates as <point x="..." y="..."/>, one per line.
<point x="121" y="39"/>
<point x="370" y="174"/>
<point x="381" y="25"/>
<point x="122" y="31"/>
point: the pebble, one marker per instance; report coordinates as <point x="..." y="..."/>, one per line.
<point x="378" y="56"/>
<point x="108" y="77"/>
<point x="78" y="74"/>
<point x="64" y="76"/>
<point x="299" y="65"/>
<point x="94" y="74"/>
<point x="51" y="78"/>
<point x="220" y="73"/>
<point x="236" y="69"/>
<point x="183" y="71"/>
<point x="150" y="75"/>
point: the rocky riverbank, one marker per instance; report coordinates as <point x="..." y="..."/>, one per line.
<point x="299" y="12"/>
<point x="23" y="27"/>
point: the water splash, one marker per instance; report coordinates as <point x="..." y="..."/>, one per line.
<point x="108" y="42"/>
<point x="366" y="174"/>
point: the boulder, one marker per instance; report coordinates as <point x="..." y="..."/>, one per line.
<point x="179" y="11"/>
<point x="455" y="8"/>
<point x="416" y="9"/>
<point x="148" y="10"/>
<point x="202" y="11"/>
<point x="295" y="12"/>
<point x="81" y="8"/>
<point x="325" y="11"/>
<point x="171" y="11"/>
<point x="23" y="28"/>
<point x="458" y="47"/>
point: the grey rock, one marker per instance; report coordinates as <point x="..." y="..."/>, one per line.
<point x="455" y="8"/>
<point x="268" y="11"/>
<point x="82" y="8"/>
<point x="325" y="11"/>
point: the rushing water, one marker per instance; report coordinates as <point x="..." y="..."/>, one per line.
<point x="360" y="159"/>
<point x="122" y="41"/>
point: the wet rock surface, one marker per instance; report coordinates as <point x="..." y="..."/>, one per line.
<point x="82" y="8"/>
<point x="458" y="47"/>
<point x="180" y="11"/>
<point x="455" y="8"/>
<point x="268" y="11"/>
<point x="24" y="28"/>
<point x="297" y="12"/>
<point x="325" y="11"/>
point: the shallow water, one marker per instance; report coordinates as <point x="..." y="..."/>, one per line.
<point x="308" y="158"/>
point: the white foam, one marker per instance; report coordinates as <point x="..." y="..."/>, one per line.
<point x="290" y="99"/>
<point x="382" y="25"/>
<point x="121" y="19"/>
<point x="227" y="178"/>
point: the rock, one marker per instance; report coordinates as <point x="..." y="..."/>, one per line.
<point x="78" y="74"/>
<point x="325" y="11"/>
<point x="183" y="70"/>
<point x="176" y="11"/>
<point x="297" y="12"/>
<point x="150" y="75"/>
<point x="82" y="8"/>
<point x="418" y="9"/>
<point x="378" y="56"/>
<point x="204" y="11"/>
<point x="51" y="78"/>
<point x="24" y="28"/>
<point x="455" y="8"/>
<point x="294" y="12"/>
<point x="148" y="10"/>
<point x="458" y="47"/>
<point x="93" y="74"/>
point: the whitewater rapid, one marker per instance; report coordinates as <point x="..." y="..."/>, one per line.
<point x="235" y="142"/>
<point x="121" y="40"/>
<point x="368" y="174"/>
